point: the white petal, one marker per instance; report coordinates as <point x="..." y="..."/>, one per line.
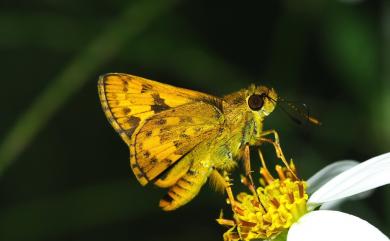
<point x="363" y="177"/>
<point x="327" y="173"/>
<point x="325" y="225"/>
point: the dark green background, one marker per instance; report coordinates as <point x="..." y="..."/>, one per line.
<point x="64" y="171"/>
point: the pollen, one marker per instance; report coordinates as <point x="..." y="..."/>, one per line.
<point x="270" y="209"/>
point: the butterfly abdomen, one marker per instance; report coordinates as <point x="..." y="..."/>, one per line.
<point x="187" y="187"/>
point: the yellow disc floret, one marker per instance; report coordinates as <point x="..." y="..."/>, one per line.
<point x="272" y="209"/>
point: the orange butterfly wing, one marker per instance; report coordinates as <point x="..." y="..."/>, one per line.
<point x="159" y="122"/>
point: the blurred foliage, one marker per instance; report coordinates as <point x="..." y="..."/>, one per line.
<point x="63" y="169"/>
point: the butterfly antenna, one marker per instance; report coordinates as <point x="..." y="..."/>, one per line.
<point x="296" y="120"/>
<point x="293" y="118"/>
<point x="306" y="114"/>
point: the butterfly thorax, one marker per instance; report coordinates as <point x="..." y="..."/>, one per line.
<point x="242" y="124"/>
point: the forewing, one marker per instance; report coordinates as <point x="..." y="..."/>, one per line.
<point x="129" y="100"/>
<point x="133" y="103"/>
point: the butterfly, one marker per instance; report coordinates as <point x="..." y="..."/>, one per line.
<point x="179" y="138"/>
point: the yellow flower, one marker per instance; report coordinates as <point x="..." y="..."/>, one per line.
<point x="270" y="209"/>
<point x="282" y="210"/>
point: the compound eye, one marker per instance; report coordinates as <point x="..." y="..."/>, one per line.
<point x="255" y="102"/>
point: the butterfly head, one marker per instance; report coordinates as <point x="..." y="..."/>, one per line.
<point x="261" y="100"/>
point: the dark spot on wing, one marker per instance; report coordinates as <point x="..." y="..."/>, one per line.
<point x="134" y="122"/>
<point x="162" y="121"/>
<point x="158" y="108"/>
<point x="153" y="161"/>
<point x="177" y="144"/>
<point x="148" y="133"/>
<point x="124" y="79"/>
<point x="126" y="110"/>
<point x="159" y="104"/>
<point x="145" y="87"/>
<point x="146" y="154"/>
<point x="165" y="136"/>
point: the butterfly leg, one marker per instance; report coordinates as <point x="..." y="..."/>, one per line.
<point x="223" y="181"/>
<point x="278" y="149"/>
<point x="187" y="187"/>
<point x="248" y="171"/>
